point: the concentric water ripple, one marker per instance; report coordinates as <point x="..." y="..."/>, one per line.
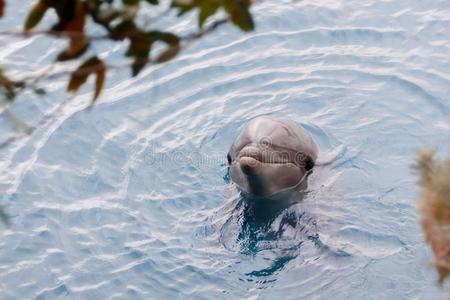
<point x="131" y="199"/>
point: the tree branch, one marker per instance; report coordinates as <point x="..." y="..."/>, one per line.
<point x="188" y="39"/>
<point x="32" y="81"/>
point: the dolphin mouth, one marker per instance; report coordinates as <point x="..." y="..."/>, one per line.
<point x="264" y="172"/>
<point x="253" y="166"/>
<point x="251" y="152"/>
<point x="263" y="180"/>
<point x="266" y="155"/>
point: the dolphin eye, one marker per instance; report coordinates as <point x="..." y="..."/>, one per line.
<point x="309" y="164"/>
<point x="229" y="158"/>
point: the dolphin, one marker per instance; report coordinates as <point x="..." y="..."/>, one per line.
<point x="270" y="156"/>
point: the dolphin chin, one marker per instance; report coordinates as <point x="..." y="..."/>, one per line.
<point x="250" y="166"/>
<point x="271" y="156"/>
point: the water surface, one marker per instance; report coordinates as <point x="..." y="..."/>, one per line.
<point x="131" y="199"/>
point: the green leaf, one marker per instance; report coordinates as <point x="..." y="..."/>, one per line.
<point x="207" y="9"/>
<point x="35" y="15"/>
<point x="240" y="14"/>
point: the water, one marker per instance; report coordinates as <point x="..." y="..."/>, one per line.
<point x="132" y="200"/>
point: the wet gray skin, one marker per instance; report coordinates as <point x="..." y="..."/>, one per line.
<point x="270" y="156"/>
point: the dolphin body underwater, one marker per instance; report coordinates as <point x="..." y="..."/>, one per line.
<point x="271" y="156"/>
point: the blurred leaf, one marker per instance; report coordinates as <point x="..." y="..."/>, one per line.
<point x="78" y="78"/>
<point x="168" y="54"/>
<point x="207" y="9"/>
<point x="139" y="48"/>
<point x="35" y="15"/>
<point x="184" y="6"/>
<point x="72" y="16"/>
<point x="173" y="43"/>
<point x="123" y="29"/>
<point x="78" y="43"/>
<point x="434" y="208"/>
<point x="130" y="10"/>
<point x="99" y="81"/>
<point x="9" y="87"/>
<point x="184" y="2"/>
<point x="2" y="7"/>
<point x="240" y="14"/>
<point x="130" y="2"/>
<point x="139" y="45"/>
<point x="67" y="11"/>
<point x="138" y="65"/>
<point x="76" y="48"/>
<point x="76" y="20"/>
<point x="91" y="66"/>
<point x="168" y="38"/>
<point x="108" y="15"/>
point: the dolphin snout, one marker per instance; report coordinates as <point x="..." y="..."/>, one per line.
<point x="250" y="165"/>
<point x="250" y="160"/>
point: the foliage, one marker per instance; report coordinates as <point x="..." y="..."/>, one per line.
<point x="120" y="20"/>
<point x="435" y="208"/>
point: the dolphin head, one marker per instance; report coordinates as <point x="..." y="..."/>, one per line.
<point x="270" y="156"/>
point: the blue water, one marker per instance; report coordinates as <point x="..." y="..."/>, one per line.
<point x="131" y="199"/>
